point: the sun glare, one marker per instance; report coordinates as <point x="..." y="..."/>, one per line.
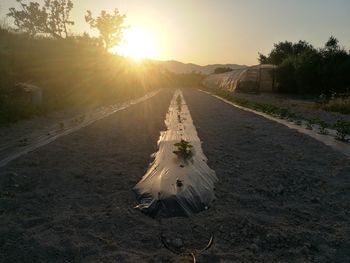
<point x="137" y="44"/>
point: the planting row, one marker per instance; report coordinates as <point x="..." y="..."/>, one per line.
<point x="341" y="126"/>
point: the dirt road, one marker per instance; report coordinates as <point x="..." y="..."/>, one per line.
<point x="281" y="196"/>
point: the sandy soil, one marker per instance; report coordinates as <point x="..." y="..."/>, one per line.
<point x="281" y="196"/>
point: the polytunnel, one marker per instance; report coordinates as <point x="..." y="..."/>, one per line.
<point x="258" y="78"/>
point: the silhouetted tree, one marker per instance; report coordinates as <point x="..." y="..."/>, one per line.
<point x="52" y="18"/>
<point x="283" y="50"/>
<point x="332" y="43"/>
<point x="262" y="59"/>
<point x="305" y="70"/>
<point x="110" y="26"/>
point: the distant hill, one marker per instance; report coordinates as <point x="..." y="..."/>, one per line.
<point x="179" y="67"/>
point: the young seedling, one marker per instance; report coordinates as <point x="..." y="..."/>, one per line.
<point x="61" y="125"/>
<point x="283" y="113"/>
<point x="183" y="149"/>
<point x="81" y="118"/>
<point x="23" y="142"/>
<point x="179" y="183"/>
<point x="298" y="122"/>
<point x="179" y="102"/>
<point x="322" y="127"/>
<point x="343" y="130"/>
<point x="179" y="118"/>
<point x="309" y="125"/>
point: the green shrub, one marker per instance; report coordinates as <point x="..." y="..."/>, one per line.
<point x="322" y="127"/>
<point x="343" y="130"/>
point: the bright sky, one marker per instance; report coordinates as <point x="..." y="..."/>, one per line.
<point x="222" y="31"/>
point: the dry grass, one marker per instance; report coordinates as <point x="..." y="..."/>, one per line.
<point x="337" y="105"/>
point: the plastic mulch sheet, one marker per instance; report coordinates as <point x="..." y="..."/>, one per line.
<point x="177" y="185"/>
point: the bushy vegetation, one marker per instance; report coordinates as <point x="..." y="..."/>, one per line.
<point x="303" y="69"/>
<point x="70" y="70"/>
<point x="51" y="18"/>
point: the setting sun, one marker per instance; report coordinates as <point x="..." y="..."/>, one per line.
<point x="137" y="44"/>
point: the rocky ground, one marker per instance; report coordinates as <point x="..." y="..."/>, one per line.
<point x="281" y="196"/>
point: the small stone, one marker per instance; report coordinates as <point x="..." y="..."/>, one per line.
<point x="178" y="243"/>
<point x="310" y="246"/>
<point x="254" y="247"/>
<point x="305" y="250"/>
<point x="280" y="189"/>
<point x="315" y="200"/>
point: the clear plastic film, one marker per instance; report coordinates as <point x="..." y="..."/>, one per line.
<point x="250" y="79"/>
<point x="177" y="185"/>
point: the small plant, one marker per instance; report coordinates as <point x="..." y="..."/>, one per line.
<point x="183" y="149"/>
<point x="82" y="118"/>
<point x="298" y="122"/>
<point x="179" y="102"/>
<point x="309" y="125"/>
<point x="323" y="99"/>
<point x="179" y="118"/>
<point x="343" y="130"/>
<point x="61" y="125"/>
<point x="179" y="183"/>
<point x="322" y="127"/>
<point x="283" y="113"/>
<point x="23" y="142"/>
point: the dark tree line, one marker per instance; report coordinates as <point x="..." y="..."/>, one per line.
<point x="50" y="19"/>
<point x="303" y="69"/>
<point x="222" y="70"/>
<point x="110" y="26"/>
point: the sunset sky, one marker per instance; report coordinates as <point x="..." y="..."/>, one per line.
<point x="222" y="31"/>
